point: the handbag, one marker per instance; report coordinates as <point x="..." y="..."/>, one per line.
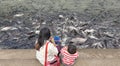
<point x="55" y="62"/>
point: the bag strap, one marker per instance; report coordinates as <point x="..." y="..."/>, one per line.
<point x="46" y="48"/>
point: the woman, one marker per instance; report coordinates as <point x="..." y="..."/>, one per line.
<point x="40" y="46"/>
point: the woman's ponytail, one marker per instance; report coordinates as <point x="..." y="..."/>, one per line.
<point x="43" y="35"/>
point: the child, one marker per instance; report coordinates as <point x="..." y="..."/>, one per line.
<point x="57" y="41"/>
<point x="68" y="55"/>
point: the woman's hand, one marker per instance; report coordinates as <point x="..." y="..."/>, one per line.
<point x="37" y="46"/>
<point x="52" y="40"/>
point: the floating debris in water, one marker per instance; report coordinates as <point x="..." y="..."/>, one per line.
<point x="61" y="16"/>
<point x="89" y="30"/>
<point x="93" y="37"/>
<point x="43" y="23"/>
<point x="18" y="15"/>
<point x="8" y="28"/>
<point x="109" y="34"/>
<point x="97" y="45"/>
<point x="37" y="31"/>
<point x="78" y="40"/>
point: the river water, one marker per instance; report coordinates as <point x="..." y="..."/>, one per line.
<point x="21" y="30"/>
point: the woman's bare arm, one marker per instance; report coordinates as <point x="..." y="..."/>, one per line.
<point x="37" y="46"/>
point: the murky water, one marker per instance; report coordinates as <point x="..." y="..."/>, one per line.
<point x="87" y="24"/>
<point x="21" y="32"/>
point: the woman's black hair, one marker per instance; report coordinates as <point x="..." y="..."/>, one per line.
<point x="43" y="35"/>
<point x="72" y="49"/>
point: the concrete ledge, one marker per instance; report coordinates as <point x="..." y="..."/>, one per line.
<point x="17" y="54"/>
<point x="19" y="62"/>
<point x="88" y="57"/>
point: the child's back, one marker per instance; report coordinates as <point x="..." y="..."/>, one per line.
<point x="69" y="54"/>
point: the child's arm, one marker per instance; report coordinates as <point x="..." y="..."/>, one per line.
<point x="77" y="55"/>
<point x="62" y="51"/>
<point x="76" y="59"/>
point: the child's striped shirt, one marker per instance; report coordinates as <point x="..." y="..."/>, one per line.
<point x="67" y="57"/>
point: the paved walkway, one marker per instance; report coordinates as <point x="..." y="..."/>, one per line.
<point x="88" y="57"/>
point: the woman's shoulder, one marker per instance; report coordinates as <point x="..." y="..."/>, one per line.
<point x="51" y="44"/>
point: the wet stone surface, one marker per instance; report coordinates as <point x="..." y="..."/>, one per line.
<point x="21" y="30"/>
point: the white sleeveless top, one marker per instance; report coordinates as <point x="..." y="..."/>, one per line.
<point x="40" y="54"/>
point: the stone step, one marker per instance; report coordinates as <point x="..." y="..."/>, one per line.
<point x="19" y="62"/>
<point x="80" y="62"/>
<point x="98" y="62"/>
<point x="88" y="57"/>
<point x="17" y="54"/>
<point x="84" y="53"/>
<point x="100" y="53"/>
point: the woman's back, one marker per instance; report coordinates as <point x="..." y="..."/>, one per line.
<point x="52" y="50"/>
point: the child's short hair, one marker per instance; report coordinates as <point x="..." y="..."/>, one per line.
<point x="72" y="49"/>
